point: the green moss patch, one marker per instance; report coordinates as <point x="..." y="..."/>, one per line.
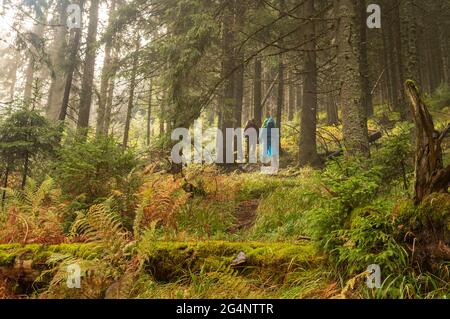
<point x="39" y="254"/>
<point x="168" y="261"/>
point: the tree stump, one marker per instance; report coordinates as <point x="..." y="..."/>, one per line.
<point x="430" y="174"/>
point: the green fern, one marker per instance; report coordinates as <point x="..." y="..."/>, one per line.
<point x="34" y="197"/>
<point x="99" y="223"/>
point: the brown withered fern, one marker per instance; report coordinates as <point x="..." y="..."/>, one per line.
<point x="34" y="214"/>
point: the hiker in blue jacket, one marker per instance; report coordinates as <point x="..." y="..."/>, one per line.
<point x="265" y="138"/>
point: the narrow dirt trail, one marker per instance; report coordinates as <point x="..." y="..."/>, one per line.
<point x="245" y="215"/>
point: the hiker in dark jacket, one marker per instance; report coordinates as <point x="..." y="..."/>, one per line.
<point x="251" y="143"/>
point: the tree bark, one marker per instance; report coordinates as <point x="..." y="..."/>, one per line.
<point x="240" y="14"/>
<point x="88" y="71"/>
<point x="409" y="32"/>
<point x="332" y="113"/>
<point x="228" y="97"/>
<point x="291" y="98"/>
<point x="131" y="94"/>
<point x="257" y="92"/>
<point x="35" y="51"/>
<point x="308" y="125"/>
<point x="70" y="71"/>
<point x="281" y="68"/>
<point x="105" y="77"/>
<point x="149" y="113"/>
<point x="59" y="51"/>
<point x="353" y="114"/>
<point x="430" y="174"/>
<point x="364" y="62"/>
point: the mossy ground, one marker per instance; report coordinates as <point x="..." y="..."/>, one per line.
<point x="205" y="270"/>
<point x="38" y="253"/>
<point x="201" y="269"/>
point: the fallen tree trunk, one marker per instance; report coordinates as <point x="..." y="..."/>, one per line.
<point x="430" y="174"/>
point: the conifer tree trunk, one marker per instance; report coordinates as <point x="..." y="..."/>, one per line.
<point x="58" y="51"/>
<point x="72" y="63"/>
<point x="36" y="47"/>
<point x="105" y="77"/>
<point x="257" y="92"/>
<point x="228" y="97"/>
<point x="162" y="113"/>
<point x="389" y="57"/>
<point x="13" y="75"/>
<point x="291" y="98"/>
<point x="308" y="145"/>
<point x="353" y="113"/>
<point x="409" y="33"/>
<point x="84" y="109"/>
<point x="239" y="59"/>
<point x="131" y="94"/>
<point x="364" y="63"/>
<point x="401" y="104"/>
<point x="110" y="97"/>
<point x="149" y="113"/>
<point x="280" y="91"/>
<point x="298" y="98"/>
<point x="332" y="114"/>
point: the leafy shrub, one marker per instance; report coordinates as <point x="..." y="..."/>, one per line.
<point x="370" y="239"/>
<point x="24" y="135"/>
<point x="93" y="168"/>
<point x="348" y="230"/>
<point x="395" y="157"/>
<point x="351" y="182"/>
<point x="440" y="98"/>
<point x="348" y="184"/>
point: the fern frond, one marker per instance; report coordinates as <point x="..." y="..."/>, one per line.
<point x="99" y="224"/>
<point x="33" y="197"/>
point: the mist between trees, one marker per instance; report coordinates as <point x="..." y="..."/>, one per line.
<point x="93" y="92"/>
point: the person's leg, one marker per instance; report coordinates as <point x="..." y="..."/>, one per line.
<point x="247" y="150"/>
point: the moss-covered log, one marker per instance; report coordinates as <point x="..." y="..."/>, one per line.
<point x="165" y="262"/>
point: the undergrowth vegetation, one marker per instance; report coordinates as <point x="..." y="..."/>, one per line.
<point x="149" y="234"/>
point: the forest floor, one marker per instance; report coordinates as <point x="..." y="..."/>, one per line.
<point x="209" y="233"/>
<point x="246" y="237"/>
<point x="213" y="252"/>
<point x="245" y="214"/>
